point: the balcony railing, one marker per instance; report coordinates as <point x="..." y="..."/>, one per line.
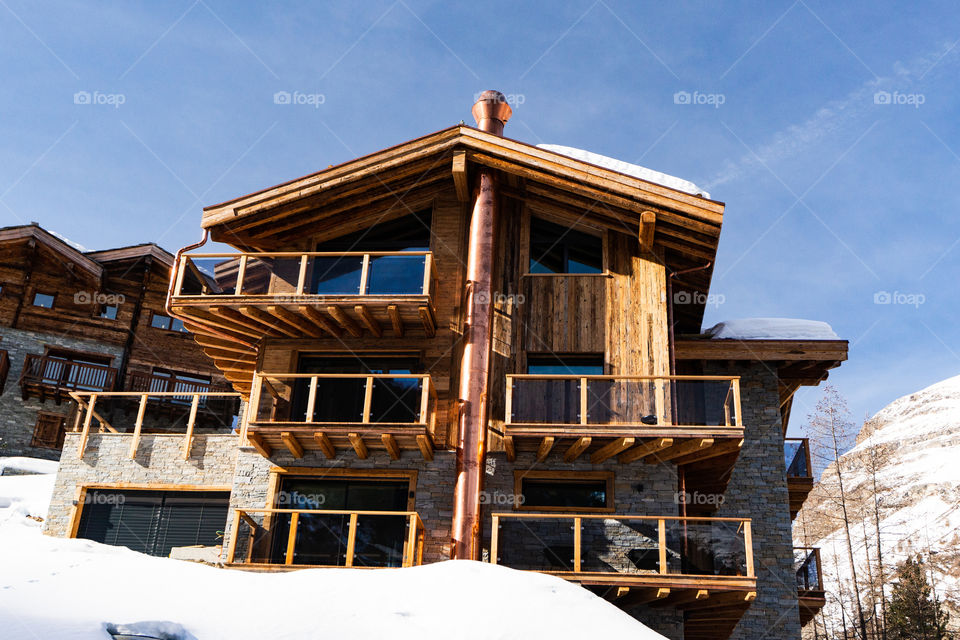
<point x="323" y="411"/>
<point x="626" y="549"/>
<point x="326" y="538"/>
<point x="62" y="375"/>
<point x="134" y="414"/>
<point x="622" y="402"/>
<point x="796" y="453"/>
<point x="4" y="369"/>
<point x="314" y="293"/>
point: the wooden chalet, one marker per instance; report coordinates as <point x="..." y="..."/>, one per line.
<point x="466" y="324"/>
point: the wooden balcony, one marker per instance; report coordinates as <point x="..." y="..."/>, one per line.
<point x="49" y="377"/>
<point x="799" y="472"/>
<point x="293" y="295"/>
<point x="277" y="539"/>
<point x="343" y="412"/>
<point x="131" y="414"/>
<point x="810" y="593"/>
<point x="703" y="566"/>
<point x="677" y="419"/>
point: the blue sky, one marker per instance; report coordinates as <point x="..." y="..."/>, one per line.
<point x="831" y="131"/>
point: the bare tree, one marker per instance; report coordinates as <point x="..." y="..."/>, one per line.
<point x="832" y="434"/>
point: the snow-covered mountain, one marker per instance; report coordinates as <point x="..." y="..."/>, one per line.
<point x="913" y="445"/>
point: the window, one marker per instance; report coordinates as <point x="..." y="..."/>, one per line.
<point x="109" y="312"/>
<point x="555" y="400"/>
<point x="49" y="431"/>
<point x="44" y="300"/>
<point x="321" y="537"/>
<point x="563" y="365"/>
<point x="558" y="249"/>
<point x="160" y="321"/>
<point x="564" y="491"/>
<point x="154" y="522"/>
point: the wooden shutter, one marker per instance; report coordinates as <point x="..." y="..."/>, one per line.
<point x="49" y="430"/>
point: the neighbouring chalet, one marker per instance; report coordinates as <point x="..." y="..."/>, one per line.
<point x="467" y="346"/>
<point x="84" y="321"/>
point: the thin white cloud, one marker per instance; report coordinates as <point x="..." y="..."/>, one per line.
<point x="837" y="115"/>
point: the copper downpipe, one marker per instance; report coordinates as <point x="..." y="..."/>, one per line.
<point x="491" y="112"/>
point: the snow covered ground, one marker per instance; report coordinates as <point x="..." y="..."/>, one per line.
<point x="58" y="588"/>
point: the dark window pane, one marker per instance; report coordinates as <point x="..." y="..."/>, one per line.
<point x="395" y="275"/>
<point x="573" y="365"/>
<point x="409" y="233"/>
<point x="558" y="249"/>
<point x="563" y="493"/>
<point x="109" y="312"/>
<point x="337" y="275"/>
<point x="160" y="321"/>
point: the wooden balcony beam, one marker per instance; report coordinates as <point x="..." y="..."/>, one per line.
<point x="238" y="318"/>
<point x="356" y="441"/>
<point x="426" y="447"/>
<point x="645" y="449"/>
<point x="345" y="321"/>
<point x="429" y="322"/>
<point x="292" y="444"/>
<point x="510" y="448"/>
<point x="611" y="449"/>
<point x="395" y="320"/>
<point x="325" y="445"/>
<point x="391" y="445"/>
<point x="371" y="323"/>
<point x="679" y="450"/>
<point x="258" y="443"/>
<point x="643" y="596"/>
<point x="322" y="321"/>
<point x="298" y="321"/>
<point x="721" y="447"/>
<point x="577" y="448"/>
<point x="271" y="321"/>
<point x="544" y="449"/>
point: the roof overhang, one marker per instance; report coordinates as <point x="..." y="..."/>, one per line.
<point x="131" y="253"/>
<point x="38" y="234"/>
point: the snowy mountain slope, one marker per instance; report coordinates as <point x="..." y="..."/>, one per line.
<point x="57" y="588"/>
<point x="915" y="442"/>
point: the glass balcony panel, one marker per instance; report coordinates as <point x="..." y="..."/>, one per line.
<point x="702" y="402"/>
<point x="795" y="457"/>
<point x="396" y="400"/>
<point x="395" y="275"/>
<point x="621" y="402"/>
<point x="379" y="540"/>
<point x="533" y="544"/>
<point x="612" y="545"/>
<point x="546" y="401"/>
<point x="703" y="547"/>
<point x="336" y="275"/>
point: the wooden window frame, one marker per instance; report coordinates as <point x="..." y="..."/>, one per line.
<point x="564" y="476"/>
<point x="170" y="328"/>
<point x="277" y="473"/>
<point x="577" y="225"/>
<point x="61" y="433"/>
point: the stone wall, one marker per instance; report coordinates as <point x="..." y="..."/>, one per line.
<point x="213" y="459"/>
<point x="434" y="492"/>
<point x="758" y="490"/>
<point x="18" y="416"/>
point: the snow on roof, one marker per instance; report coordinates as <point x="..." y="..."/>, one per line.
<point x="27" y="465"/>
<point x="76" y="245"/>
<point x="771" y="329"/>
<point x="620" y="166"/>
<point x="188" y="601"/>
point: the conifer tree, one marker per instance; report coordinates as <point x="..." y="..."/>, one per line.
<point x="914" y="612"/>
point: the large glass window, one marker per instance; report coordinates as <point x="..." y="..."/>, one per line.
<point x="558" y="249"/>
<point x="322" y="538"/>
<point x="388" y="275"/>
<point x="565" y="492"/>
<point x="341" y="399"/>
<point x="44" y="300"/>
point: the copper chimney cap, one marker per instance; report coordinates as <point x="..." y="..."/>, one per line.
<point x="491" y="112"/>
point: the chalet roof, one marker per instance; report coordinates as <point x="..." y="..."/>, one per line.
<point x="133" y="251"/>
<point x="53" y="242"/>
<point x="687" y="226"/>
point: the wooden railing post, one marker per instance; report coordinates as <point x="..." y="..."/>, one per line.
<point x="181" y="266"/>
<point x="577" y="531"/>
<point x="367" y="399"/>
<point x="410" y="548"/>
<point x="241" y="274"/>
<point x="427" y="273"/>
<point x="494" y="539"/>
<point x="311" y="399"/>
<point x="351" y="539"/>
<point x="736" y="400"/>
<point x="748" y="547"/>
<point x="82" y="447"/>
<point x="425" y="399"/>
<point x="662" y="544"/>
<point x="508" y="408"/>
<point x="584" y="401"/>
<point x="364" y="274"/>
<point x="188" y="439"/>
<point x="234" y="534"/>
<point x="658" y="401"/>
<point x="135" y="442"/>
<point x="302" y="276"/>
<point x="292" y="537"/>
